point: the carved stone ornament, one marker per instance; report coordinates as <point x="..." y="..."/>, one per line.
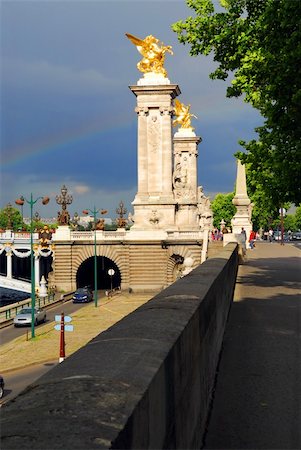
<point x="154" y="219"/>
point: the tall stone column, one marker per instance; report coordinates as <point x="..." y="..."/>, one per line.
<point x="142" y="152"/>
<point x="185" y="178"/>
<point x="154" y="205"/>
<point x="9" y="264"/>
<point x="37" y="270"/>
<point x="242" y="202"/>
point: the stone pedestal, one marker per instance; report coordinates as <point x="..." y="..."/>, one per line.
<point x="154" y="205"/>
<point x="185" y="178"/>
<point x="63" y="233"/>
<point x="242" y="202"/>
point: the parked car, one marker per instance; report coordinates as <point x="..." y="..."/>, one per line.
<point x="24" y="317"/>
<point x="82" y="295"/>
<point x="296" y="236"/>
<point x="286" y="236"/>
<point x="1" y="386"/>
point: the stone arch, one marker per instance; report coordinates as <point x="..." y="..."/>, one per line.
<point x="105" y="280"/>
<point x="177" y="255"/>
<point x="111" y="252"/>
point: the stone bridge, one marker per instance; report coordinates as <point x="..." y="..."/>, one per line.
<point x="144" y="383"/>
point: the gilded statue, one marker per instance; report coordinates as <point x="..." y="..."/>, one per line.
<point x="153" y="54"/>
<point x="183" y="115"/>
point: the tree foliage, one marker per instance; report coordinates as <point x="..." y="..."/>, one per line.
<point x="298" y="218"/>
<point x="10" y="216"/>
<point x="223" y="209"/>
<point x="258" y="42"/>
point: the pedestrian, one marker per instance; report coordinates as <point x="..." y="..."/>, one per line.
<point x="243" y="232"/>
<point x="271" y="235"/>
<point x="243" y="240"/>
<point x="252" y="239"/>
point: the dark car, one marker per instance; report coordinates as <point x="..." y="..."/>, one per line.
<point x="82" y="295"/>
<point x="1" y="386"/>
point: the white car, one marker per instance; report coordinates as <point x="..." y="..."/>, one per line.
<point x="24" y="317"/>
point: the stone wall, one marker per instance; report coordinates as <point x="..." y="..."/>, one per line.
<point x="144" y="383"/>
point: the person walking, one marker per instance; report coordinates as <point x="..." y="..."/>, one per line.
<point x="271" y="234"/>
<point x="252" y="239"/>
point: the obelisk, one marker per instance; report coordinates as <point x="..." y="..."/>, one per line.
<point x="242" y="202"/>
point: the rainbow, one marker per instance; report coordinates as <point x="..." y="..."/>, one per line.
<point x="48" y="144"/>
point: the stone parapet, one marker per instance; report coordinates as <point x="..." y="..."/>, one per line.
<point x="144" y="383"/>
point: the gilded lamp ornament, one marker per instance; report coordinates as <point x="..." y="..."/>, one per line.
<point x="153" y="54"/>
<point x="183" y="115"/>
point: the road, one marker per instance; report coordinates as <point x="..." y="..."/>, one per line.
<point x="17" y="380"/>
<point x="9" y="333"/>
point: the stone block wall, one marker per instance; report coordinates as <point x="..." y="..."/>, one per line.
<point x="144" y="383"/>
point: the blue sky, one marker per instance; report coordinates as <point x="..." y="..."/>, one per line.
<point x="68" y="114"/>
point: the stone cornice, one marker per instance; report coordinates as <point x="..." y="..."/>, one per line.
<point x="171" y="89"/>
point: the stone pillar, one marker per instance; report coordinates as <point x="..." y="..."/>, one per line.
<point x="242" y="202"/>
<point x="185" y="178"/>
<point x="37" y="270"/>
<point x="142" y="152"/>
<point x="9" y="264"/>
<point x="154" y="197"/>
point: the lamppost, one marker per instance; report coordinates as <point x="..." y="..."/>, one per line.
<point x="95" y="212"/>
<point x="20" y="201"/>
<point x="64" y="199"/>
<point x="121" y="211"/>
<point x="36" y="219"/>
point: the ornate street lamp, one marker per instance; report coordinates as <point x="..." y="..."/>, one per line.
<point x="36" y="219"/>
<point x="64" y="200"/>
<point x="94" y="212"/>
<point x="75" y="221"/>
<point x="121" y="211"/>
<point x="20" y="201"/>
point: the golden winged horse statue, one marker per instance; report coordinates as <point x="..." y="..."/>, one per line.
<point x="183" y="115"/>
<point x="153" y="54"/>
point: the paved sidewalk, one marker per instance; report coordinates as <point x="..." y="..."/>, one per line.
<point x="257" y="401"/>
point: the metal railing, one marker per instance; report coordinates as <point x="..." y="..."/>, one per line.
<point x="7" y="313"/>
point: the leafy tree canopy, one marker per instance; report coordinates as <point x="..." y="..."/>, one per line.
<point x="10" y="218"/>
<point x="223" y="209"/>
<point x="258" y="42"/>
<point x="298" y="218"/>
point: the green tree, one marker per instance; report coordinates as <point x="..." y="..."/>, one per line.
<point x="298" y="218"/>
<point x="290" y="222"/>
<point x="223" y="209"/>
<point x="258" y="43"/>
<point x="12" y="215"/>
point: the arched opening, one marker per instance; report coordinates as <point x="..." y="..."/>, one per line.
<point x="3" y="264"/>
<point x="85" y="274"/>
<point x="21" y="266"/>
<point x="45" y="266"/>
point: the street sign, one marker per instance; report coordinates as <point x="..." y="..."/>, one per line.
<point x="67" y="327"/>
<point x="66" y="318"/>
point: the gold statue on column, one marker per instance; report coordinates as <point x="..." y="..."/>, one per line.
<point x="183" y="115"/>
<point x="153" y="54"/>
